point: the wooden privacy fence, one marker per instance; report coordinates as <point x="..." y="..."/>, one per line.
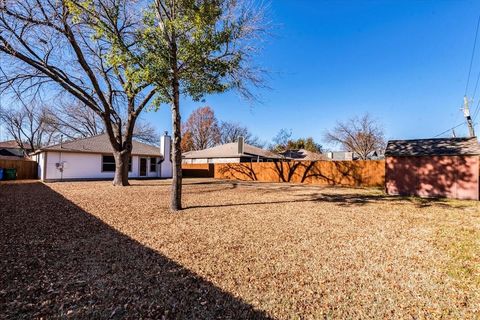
<point x="26" y="169"/>
<point x="345" y="173"/>
<point x="198" y="170"/>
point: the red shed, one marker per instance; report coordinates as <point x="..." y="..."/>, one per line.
<point x="445" y="167"/>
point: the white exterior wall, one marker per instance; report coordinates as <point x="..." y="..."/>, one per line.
<point x="39" y="159"/>
<point x="150" y="174"/>
<point x="89" y="165"/>
<point x="153" y="174"/>
<point x="85" y="166"/>
<point x="166" y="170"/>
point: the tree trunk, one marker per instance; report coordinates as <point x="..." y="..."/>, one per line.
<point x="176" y="201"/>
<point x="122" y="159"/>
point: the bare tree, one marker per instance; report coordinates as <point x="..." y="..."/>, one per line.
<point x="201" y="128"/>
<point x="231" y="131"/>
<point x="74" y="120"/>
<point x="29" y="126"/>
<point x="283" y="141"/>
<point x="78" y="47"/>
<point x="145" y="132"/>
<point x="280" y="141"/>
<point x="361" y="135"/>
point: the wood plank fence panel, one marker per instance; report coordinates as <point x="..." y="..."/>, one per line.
<point x="200" y="170"/>
<point x="26" y="169"/>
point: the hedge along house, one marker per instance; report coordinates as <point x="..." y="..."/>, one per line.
<point x="92" y="159"/>
<point x="446" y="167"/>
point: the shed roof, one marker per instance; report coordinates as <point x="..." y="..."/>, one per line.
<point x="433" y="147"/>
<point x="100" y="144"/>
<point x="230" y="150"/>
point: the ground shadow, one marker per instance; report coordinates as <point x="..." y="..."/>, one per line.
<point x="364" y="199"/>
<point x="343" y="200"/>
<point x="58" y="260"/>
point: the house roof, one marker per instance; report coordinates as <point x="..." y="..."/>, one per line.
<point x="4" y="157"/>
<point x="431" y="147"/>
<point x="230" y="150"/>
<point x="10" y="153"/>
<point x="12" y="144"/>
<point x="100" y="144"/>
<point x="302" y="154"/>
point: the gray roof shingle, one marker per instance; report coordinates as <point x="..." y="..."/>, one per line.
<point x="229" y="150"/>
<point x="101" y="144"/>
<point x="433" y="147"/>
<point x="12" y="144"/>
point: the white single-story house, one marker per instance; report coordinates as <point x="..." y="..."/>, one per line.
<point x="234" y="152"/>
<point x="92" y="158"/>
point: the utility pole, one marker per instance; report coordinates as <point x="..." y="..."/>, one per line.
<point x="466" y="113"/>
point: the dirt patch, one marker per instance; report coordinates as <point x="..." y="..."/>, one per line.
<point x="239" y="250"/>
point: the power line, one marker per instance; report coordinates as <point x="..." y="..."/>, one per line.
<point x="476" y="86"/>
<point x="450" y="129"/>
<point x="477" y="109"/>
<point x="473" y="56"/>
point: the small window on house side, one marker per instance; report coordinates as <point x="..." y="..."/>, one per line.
<point x="108" y="164"/>
<point x="153" y="164"/>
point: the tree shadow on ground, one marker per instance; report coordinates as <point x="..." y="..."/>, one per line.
<point x="364" y="199"/>
<point x="346" y="200"/>
<point x="59" y="261"/>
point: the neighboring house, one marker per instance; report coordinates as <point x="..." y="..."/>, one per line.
<point x="92" y="158"/>
<point x="349" y="156"/>
<point x="234" y="152"/>
<point x="11" y="148"/>
<point x="303" y="155"/>
<point x="376" y="155"/>
<point x="15" y="158"/>
<point x="445" y="167"/>
<point x="341" y="156"/>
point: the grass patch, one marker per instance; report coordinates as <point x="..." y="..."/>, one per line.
<point x="238" y="251"/>
<point x="462" y="243"/>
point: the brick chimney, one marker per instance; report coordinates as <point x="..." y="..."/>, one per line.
<point x="241" y="145"/>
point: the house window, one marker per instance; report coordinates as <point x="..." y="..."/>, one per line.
<point x="153" y="164"/>
<point x="108" y="164"/>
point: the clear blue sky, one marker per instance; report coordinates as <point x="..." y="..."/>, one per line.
<point x="405" y="62"/>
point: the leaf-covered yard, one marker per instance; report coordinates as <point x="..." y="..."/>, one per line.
<point x="239" y="250"/>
